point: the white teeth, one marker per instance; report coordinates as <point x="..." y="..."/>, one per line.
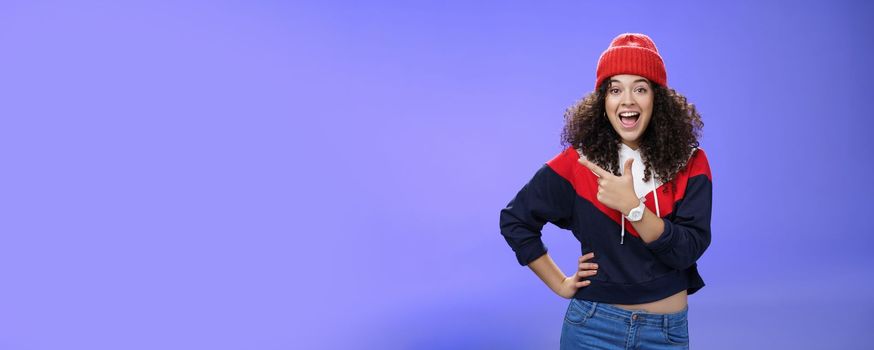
<point x="628" y="114"/>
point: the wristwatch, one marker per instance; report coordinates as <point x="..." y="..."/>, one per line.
<point x="637" y="213"/>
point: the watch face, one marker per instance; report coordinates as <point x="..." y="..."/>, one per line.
<point x="635" y="214"/>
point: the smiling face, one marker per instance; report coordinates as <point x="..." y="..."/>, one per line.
<point x="629" y="104"/>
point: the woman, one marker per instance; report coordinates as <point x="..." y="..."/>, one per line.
<point x="632" y="163"/>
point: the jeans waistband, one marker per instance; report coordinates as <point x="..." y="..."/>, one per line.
<point x="637" y="316"/>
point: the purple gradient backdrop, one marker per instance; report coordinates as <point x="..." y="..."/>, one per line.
<point x="328" y="175"/>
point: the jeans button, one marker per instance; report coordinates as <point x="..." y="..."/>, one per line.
<point x="634" y="317"/>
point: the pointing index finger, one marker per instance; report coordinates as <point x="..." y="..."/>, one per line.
<point x="594" y="168"/>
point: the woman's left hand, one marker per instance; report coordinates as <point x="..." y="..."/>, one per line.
<point x="616" y="192"/>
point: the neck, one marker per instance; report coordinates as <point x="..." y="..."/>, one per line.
<point x="632" y="145"/>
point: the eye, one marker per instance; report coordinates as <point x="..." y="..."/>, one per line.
<point x="641" y="90"/>
<point x="614" y="90"/>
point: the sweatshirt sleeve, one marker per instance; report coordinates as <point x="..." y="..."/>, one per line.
<point x="687" y="235"/>
<point x="547" y="197"/>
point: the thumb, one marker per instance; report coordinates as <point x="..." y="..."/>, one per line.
<point x="628" y="166"/>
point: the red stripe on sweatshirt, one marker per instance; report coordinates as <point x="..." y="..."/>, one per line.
<point x="585" y="183"/>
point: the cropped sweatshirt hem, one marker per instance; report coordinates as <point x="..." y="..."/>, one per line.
<point x="563" y="192"/>
<point x="644" y="292"/>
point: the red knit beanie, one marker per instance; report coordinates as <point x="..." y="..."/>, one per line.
<point x="632" y="53"/>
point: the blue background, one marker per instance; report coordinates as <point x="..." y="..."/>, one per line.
<point x="327" y="175"/>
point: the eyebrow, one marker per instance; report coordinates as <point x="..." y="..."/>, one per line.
<point x="636" y="81"/>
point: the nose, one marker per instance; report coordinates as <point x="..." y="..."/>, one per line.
<point x="627" y="99"/>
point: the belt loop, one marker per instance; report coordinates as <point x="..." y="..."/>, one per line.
<point x="665" y="321"/>
<point x="592" y="309"/>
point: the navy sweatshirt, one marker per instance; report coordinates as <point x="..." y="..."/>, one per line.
<point x="630" y="271"/>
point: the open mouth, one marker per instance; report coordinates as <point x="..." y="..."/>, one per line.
<point x="629" y="119"/>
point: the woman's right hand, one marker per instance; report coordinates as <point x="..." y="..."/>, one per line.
<point x="571" y="284"/>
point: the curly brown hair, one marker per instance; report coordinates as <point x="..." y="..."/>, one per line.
<point x="665" y="146"/>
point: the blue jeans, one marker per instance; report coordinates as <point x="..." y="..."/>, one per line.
<point x="594" y="325"/>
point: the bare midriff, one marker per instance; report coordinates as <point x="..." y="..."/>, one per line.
<point x="669" y="305"/>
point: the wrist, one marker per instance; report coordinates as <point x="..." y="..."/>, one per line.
<point x="631" y="205"/>
<point x="556" y="285"/>
<point x="561" y="284"/>
<point x="562" y="288"/>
